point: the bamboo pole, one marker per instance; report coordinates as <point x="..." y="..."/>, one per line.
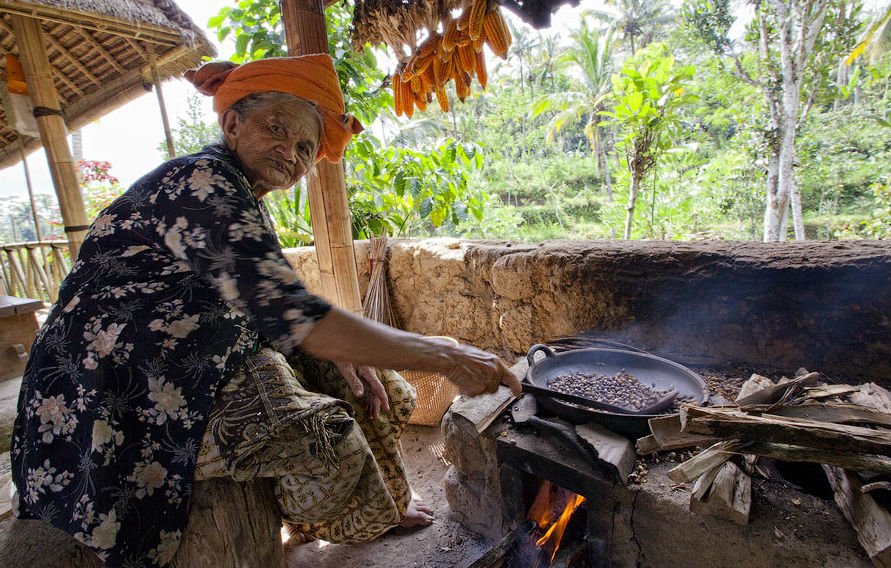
<point x="156" y="79"/>
<point x="31" y="195"/>
<point x="332" y="231"/>
<point x="53" y="133"/>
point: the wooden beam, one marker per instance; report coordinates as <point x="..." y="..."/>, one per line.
<point x="94" y="43"/>
<point x="67" y="55"/>
<point x="71" y="85"/>
<point x="729" y="422"/>
<point x="333" y="233"/>
<point x="137" y="48"/>
<point x="53" y="133"/>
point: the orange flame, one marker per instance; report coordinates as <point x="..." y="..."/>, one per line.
<point x="540" y="511"/>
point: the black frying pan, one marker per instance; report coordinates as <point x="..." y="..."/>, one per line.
<point x="648" y="369"/>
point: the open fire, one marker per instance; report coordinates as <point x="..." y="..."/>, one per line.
<point x="552" y="510"/>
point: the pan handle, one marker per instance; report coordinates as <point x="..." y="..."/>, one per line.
<point x="530" y="357"/>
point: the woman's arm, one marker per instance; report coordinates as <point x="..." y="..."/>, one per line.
<point x="342" y="336"/>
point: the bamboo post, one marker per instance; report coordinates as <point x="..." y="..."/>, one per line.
<point x="332" y="231"/>
<point x="156" y="79"/>
<point x="39" y="77"/>
<point x="31" y="194"/>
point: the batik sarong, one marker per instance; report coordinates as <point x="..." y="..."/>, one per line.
<point x="295" y="421"/>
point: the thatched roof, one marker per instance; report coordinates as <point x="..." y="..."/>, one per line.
<point x="100" y="51"/>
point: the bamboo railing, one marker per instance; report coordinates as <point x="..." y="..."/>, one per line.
<point x="33" y="269"/>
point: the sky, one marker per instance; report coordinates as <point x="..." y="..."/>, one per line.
<point x="128" y="137"/>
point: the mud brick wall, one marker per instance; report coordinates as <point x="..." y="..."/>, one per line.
<point x="821" y="305"/>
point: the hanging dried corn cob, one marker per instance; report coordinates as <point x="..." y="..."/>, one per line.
<point x="455" y="54"/>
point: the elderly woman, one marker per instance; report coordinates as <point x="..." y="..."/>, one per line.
<point x="182" y="346"/>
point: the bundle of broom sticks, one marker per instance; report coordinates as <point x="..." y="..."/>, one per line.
<point x="376" y="305"/>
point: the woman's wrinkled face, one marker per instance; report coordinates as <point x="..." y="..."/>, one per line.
<point x="276" y="144"/>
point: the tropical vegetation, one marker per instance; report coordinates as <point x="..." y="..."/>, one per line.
<point x="639" y="122"/>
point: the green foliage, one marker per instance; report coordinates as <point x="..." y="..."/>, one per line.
<point x="649" y="95"/>
<point x="878" y="224"/>
<point x="258" y="30"/>
<point x="710" y="21"/>
<point x="392" y="189"/>
<point x="98" y="186"/>
<point x="289" y="209"/>
<point x="192" y="132"/>
<point x="706" y="178"/>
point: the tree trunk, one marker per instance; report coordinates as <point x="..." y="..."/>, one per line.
<point x="773" y="214"/>
<point x="603" y="163"/>
<point x="797" y="23"/>
<point x="797" y="219"/>
<point x="632" y="198"/>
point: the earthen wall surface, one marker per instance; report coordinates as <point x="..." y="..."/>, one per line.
<point x="821" y="305"/>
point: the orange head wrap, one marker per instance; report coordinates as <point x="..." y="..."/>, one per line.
<point x="310" y="77"/>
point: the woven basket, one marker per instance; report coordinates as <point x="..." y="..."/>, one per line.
<point x="435" y="394"/>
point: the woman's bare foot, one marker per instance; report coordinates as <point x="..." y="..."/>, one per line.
<point x="293" y="536"/>
<point x="419" y="514"/>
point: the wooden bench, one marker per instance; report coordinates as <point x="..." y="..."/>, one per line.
<point x="231" y="525"/>
<point x="18" y="324"/>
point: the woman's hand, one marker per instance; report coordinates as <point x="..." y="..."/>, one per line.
<point x="475" y="371"/>
<point x="366" y="386"/>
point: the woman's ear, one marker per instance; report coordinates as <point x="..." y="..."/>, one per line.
<point x="230" y="124"/>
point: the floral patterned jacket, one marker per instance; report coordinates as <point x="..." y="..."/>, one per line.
<point x="175" y="283"/>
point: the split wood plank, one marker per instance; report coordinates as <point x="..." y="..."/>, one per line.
<point x="729" y="496"/>
<point x="871" y="522"/>
<point x="667" y="435"/>
<point x="873" y="396"/>
<point x="826" y="391"/>
<point x="789" y="453"/>
<point x="705" y="460"/>
<point x="754" y="384"/>
<point x="836" y="412"/>
<point x="776" y="392"/>
<point x="647" y="445"/>
<point x="730" y="423"/>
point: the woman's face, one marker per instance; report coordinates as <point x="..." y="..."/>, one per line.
<point x="276" y="144"/>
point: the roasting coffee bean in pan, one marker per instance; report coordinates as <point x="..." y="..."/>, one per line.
<point x="620" y="389"/>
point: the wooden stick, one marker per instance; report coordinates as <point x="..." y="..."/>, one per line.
<point x="704" y="461"/>
<point x="729" y="496"/>
<point x="165" y="122"/>
<point x="871" y="521"/>
<point x="836" y="412"/>
<point x="786" y="452"/>
<point x="775" y="393"/>
<point x="667" y="433"/>
<point x="729" y="423"/>
<point x="826" y="391"/>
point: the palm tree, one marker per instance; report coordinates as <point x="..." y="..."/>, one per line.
<point x="521" y="48"/>
<point x="876" y="40"/>
<point x="592" y="55"/>
<point x="638" y="19"/>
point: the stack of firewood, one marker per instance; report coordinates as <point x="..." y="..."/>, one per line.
<point x="843" y="427"/>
